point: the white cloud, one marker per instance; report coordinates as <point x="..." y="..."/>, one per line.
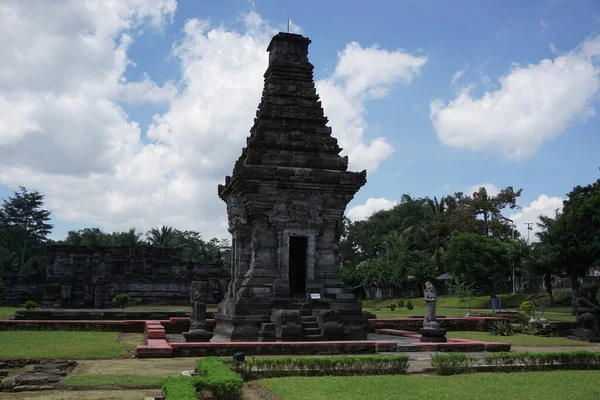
<point x="371" y="206"/>
<point x="543" y="205"/>
<point x="63" y="130"/>
<point x="362" y="74"/>
<point x="458" y="74"/>
<point x="553" y="48"/>
<point x="533" y="105"/>
<point x="543" y="26"/>
<point x="490" y="188"/>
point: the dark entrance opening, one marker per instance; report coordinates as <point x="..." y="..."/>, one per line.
<point x="297" y="272"/>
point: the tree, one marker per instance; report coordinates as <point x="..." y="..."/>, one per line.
<point x="25" y="225"/>
<point x="131" y="238"/>
<point x="490" y="209"/>
<point x="477" y="258"/>
<point x="572" y="236"/>
<point x="165" y="236"/>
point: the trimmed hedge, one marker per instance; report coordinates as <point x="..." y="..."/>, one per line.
<point x="453" y="363"/>
<point x="273" y="367"/>
<point x="213" y="375"/>
<point x="181" y="388"/>
<point x="572" y="360"/>
<point x="457" y="363"/>
<point x="218" y="378"/>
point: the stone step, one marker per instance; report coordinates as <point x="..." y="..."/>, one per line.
<point x="307" y="325"/>
<point x="312" y="331"/>
<point x="308" y="318"/>
<point x="313" y="338"/>
<point x="306" y="313"/>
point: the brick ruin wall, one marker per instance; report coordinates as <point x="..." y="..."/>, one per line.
<point x="90" y="276"/>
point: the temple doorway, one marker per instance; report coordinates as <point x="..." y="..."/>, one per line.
<point x="297" y="264"/>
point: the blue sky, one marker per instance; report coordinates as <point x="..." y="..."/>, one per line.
<point x="148" y="137"/>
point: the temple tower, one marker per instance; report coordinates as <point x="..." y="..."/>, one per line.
<point x="285" y="204"/>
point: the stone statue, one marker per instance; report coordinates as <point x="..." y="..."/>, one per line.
<point x="198" y="296"/>
<point x="588" y="315"/>
<point x="431" y="331"/>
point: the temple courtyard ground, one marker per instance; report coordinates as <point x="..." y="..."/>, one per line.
<point x="107" y="369"/>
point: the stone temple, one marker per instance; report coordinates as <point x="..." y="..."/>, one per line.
<point x="285" y="203"/>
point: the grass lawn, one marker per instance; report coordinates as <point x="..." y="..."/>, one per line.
<point x="126" y="394"/>
<point x="151" y="307"/>
<point x="404" y="313"/>
<point x="114" y="380"/>
<point x="8" y="312"/>
<point x="517" y="339"/>
<point x="485" y="386"/>
<point x="63" y="344"/>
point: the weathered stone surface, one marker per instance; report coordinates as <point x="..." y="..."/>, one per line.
<point x="45" y="375"/>
<point x="285" y="203"/>
<point x="588" y="315"/>
<point x="90" y="276"/>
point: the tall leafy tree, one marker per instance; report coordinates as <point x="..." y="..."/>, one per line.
<point x="25" y="225"/>
<point x="165" y="236"/>
<point x="478" y="258"/>
<point x="489" y="209"/>
<point x="572" y="236"/>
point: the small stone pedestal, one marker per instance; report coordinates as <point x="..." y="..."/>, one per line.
<point x="431" y="332"/>
<point x="433" y="335"/>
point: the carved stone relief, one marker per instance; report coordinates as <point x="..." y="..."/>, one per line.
<point x="297" y="206"/>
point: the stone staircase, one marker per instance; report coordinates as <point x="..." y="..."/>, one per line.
<point x="310" y="326"/>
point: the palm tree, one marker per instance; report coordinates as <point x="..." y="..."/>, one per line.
<point x="130" y="238"/>
<point x="165" y="236"/>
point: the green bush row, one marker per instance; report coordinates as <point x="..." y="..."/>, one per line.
<point x="452" y="364"/>
<point x="457" y="363"/>
<point x="181" y="388"/>
<point x="573" y="360"/>
<point x="214" y="375"/>
<point x="218" y="378"/>
<point x="273" y="367"/>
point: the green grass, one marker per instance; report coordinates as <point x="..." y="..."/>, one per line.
<point x="61" y="344"/>
<point x="8" y="312"/>
<point x="404" y="313"/>
<point x="516" y="339"/>
<point x="485" y="386"/>
<point x="151" y="307"/>
<point x="506" y="301"/>
<point x="113" y="380"/>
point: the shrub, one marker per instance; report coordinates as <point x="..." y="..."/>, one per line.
<point x="502" y="328"/>
<point x="392" y="307"/>
<point x="451" y="364"/>
<point x="138" y="301"/>
<point x="30" y="304"/>
<point x="562" y="297"/>
<point x="120" y="300"/>
<point x="572" y="360"/>
<point x="409" y="305"/>
<point x="526" y="307"/>
<point x="213" y="375"/>
<point x="180" y="388"/>
<point x="218" y="378"/>
<point x="274" y="367"/>
<point x="400" y="303"/>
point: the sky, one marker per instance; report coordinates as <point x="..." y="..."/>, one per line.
<point x="130" y="113"/>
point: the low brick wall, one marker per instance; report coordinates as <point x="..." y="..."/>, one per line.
<point x="451" y="324"/>
<point x="227" y="349"/>
<point x="95" y="326"/>
<point x="562" y="328"/>
<point x="92" y="314"/>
